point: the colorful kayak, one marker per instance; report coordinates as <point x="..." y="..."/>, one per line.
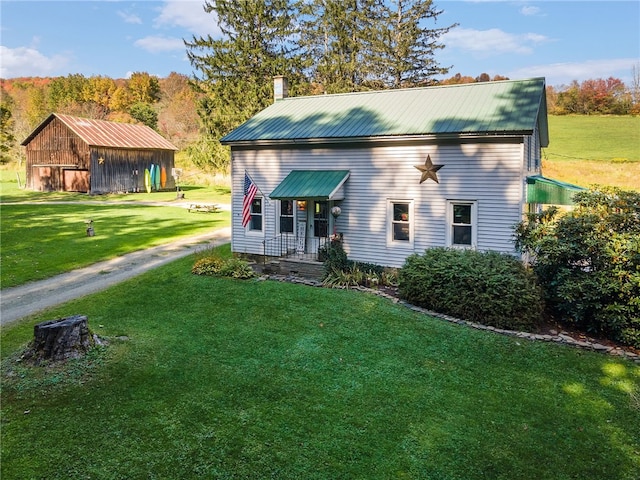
<point x="156" y="178"/>
<point x="152" y="175"/>
<point x="163" y="177"/>
<point x="147" y="180"/>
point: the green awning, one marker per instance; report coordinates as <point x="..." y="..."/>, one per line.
<point x="316" y="184"/>
<point x="551" y="192"/>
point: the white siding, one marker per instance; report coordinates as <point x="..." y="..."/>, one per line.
<point x="489" y="173"/>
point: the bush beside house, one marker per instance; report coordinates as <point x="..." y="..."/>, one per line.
<point x="485" y="287"/>
<point x="588" y="262"/>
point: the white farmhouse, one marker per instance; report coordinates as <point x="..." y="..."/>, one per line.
<point x="409" y="169"/>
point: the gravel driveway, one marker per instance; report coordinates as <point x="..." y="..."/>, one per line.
<point x="25" y="300"/>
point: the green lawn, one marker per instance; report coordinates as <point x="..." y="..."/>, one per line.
<point x="594" y="137"/>
<point x="11" y="192"/>
<point x="588" y="150"/>
<point x="44" y="240"/>
<point x="216" y="378"/>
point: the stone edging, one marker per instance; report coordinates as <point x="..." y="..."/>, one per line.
<point x="560" y="338"/>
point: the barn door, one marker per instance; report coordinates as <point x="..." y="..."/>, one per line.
<point x="42" y="179"/>
<point x="76" y="181"/>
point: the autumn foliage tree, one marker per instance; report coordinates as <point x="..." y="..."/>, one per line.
<point x="595" y="96"/>
<point x="7" y="138"/>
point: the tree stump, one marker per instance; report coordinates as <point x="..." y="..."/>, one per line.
<point x="60" y="339"/>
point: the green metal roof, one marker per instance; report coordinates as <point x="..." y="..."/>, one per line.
<point x="507" y="107"/>
<point x="318" y="184"/>
<point x="548" y="191"/>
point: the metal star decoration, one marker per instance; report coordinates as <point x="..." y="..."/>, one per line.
<point x="429" y="170"/>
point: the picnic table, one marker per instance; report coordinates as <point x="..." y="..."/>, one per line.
<point x="206" y="208"/>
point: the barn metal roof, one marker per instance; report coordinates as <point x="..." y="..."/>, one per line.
<point x="506" y="107"/>
<point x="101" y="133"/>
<point x="319" y="184"/>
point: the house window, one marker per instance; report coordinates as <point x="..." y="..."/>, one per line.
<point x="400" y="214"/>
<point x="461" y="224"/>
<point x="286" y="216"/>
<point x="256" y="215"/>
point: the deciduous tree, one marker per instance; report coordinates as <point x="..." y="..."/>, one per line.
<point x="66" y="92"/>
<point x="99" y="91"/>
<point x="594" y="96"/>
<point x="143" y="88"/>
<point x="7" y="137"/>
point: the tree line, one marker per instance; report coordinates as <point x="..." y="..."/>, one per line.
<point x="167" y="105"/>
<point x="322" y="46"/>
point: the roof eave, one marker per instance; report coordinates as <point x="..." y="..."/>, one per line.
<point x="374" y="139"/>
<point x="37" y="130"/>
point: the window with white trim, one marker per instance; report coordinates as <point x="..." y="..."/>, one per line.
<point x="462" y="223"/>
<point x="255" y="224"/>
<point x="400" y="215"/>
<point x="286" y="216"/>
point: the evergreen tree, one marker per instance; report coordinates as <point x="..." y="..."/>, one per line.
<point x="401" y="47"/>
<point x="144" y="113"/>
<point x="361" y="44"/>
<point x="333" y="38"/>
<point x="236" y="72"/>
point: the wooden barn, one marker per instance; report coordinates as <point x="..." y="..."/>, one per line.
<point x="73" y="154"/>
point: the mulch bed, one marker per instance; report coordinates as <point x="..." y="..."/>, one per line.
<point x="549" y="327"/>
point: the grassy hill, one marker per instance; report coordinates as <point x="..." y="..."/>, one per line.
<point x="588" y="150"/>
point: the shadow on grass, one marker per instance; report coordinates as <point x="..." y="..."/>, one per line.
<point x="43" y="240"/>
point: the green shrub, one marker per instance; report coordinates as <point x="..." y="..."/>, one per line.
<point x="236" y="268"/>
<point x="588" y="262"/>
<point x="211" y="263"/>
<point x="483" y="287"/>
<point x="207" y="266"/>
<point x="350" y="277"/>
<point x="334" y="257"/>
<point x="370" y="268"/>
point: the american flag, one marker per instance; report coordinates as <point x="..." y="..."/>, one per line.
<point x="250" y="190"/>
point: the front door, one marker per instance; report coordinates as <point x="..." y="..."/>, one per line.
<point x="318" y="225"/>
<point x="321" y="219"/>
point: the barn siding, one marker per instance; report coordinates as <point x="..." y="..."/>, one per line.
<point x="56" y="147"/>
<point x="120" y="170"/>
<point x="489" y="173"/>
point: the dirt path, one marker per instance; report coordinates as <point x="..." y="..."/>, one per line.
<point x="19" y="302"/>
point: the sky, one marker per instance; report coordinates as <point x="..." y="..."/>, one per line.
<point x="560" y="40"/>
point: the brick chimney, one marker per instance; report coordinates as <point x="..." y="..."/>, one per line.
<point x="280" y="87"/>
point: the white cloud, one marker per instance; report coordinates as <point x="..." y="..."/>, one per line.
<point x="558" y="74"/>
<point x="487" y="43"/>
<point x="156" y="44"/>
<point x="189" y="15"/>
<point x="129" y="17"/>
<point x="529" y="10"/>
<point x="29" y="62"/>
